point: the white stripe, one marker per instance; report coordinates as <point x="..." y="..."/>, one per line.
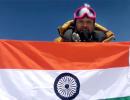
<point x="38" y="84"/>
<point x="129" y="69"/>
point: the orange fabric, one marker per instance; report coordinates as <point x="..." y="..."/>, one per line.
<point x="62" y="56"/>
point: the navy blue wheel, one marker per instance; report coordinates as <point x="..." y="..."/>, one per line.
<point x="66" y="86"/>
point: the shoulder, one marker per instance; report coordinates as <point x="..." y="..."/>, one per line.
<point x="66" y="26"/>
<point x="58" y="39"/>
<point x="104" y="33"/>
<point x="65" y="31"/>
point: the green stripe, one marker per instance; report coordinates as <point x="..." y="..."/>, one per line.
<point x="120" y="98"/>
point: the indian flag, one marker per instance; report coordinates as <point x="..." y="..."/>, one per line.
<point x="64" y="71"/>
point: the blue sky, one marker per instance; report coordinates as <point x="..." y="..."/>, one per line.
<point x="38" y="19"/>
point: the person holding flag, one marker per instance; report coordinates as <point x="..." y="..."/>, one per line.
<point x="83" y="28"/>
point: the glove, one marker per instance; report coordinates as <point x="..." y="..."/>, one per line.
<point x="76" y="37"/>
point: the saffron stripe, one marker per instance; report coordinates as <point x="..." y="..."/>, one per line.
<point x="62" y="56"/>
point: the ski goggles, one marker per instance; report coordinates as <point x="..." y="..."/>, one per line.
<point x="85" y="11"/>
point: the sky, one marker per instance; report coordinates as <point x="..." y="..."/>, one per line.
<point x="37" y="20"/>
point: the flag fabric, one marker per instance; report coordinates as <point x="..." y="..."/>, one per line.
<point x="64" y="71"/>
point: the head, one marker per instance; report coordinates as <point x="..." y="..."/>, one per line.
<point x="84" y="23"/>
<point x="84" y="18"/>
